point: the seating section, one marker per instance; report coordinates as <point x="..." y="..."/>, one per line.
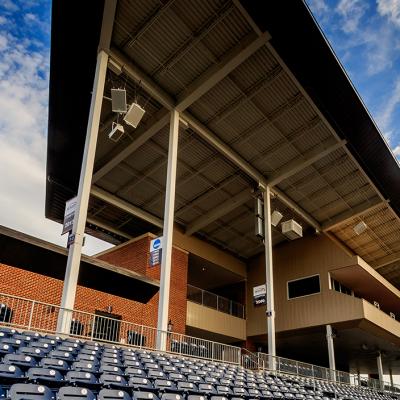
<point x="48" y="367"/>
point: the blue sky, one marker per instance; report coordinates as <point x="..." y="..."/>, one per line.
<point x="24" y="73"/>
<point x="364" y="34"/>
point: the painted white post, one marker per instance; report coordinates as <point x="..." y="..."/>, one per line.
<point x="380" y="370"/>
<point x="391" y="377"/>
<point x="331" y="352"/>
<point x="74" y="253"/>
<point x="166" y="258"/>
<point x="269" y="277"/>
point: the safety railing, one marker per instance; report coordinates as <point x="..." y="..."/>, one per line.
<point x="33" y="315"/>
<point x="300" y="369"/>
<point x="212" y="300"/>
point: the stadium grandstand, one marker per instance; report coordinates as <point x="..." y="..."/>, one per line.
<point x="252" y="202"/>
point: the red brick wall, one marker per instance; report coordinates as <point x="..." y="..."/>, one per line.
<point x="134" y="256"/>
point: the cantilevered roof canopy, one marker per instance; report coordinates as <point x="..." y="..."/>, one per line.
<point x="35" y="255"/>
<point x="262" y="99"/>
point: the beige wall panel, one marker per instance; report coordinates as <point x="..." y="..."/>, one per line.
<point x="297" y="259"/>
<point x="211" y="320"/>
<point x="209" y="252"/>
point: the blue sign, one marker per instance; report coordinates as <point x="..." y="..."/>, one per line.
<point x="156" y="244"/>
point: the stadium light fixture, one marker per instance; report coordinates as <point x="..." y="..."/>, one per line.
<point x="117" y="131"/>
<point x="276" y="217"/>
<point x="134" y="115"/>
<point x="360" y="228"/>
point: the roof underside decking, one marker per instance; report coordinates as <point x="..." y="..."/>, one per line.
<point x="223" y="73"/>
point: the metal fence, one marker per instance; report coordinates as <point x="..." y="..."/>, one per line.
<point x="212" y="300"/>
<point x="315" y="372"/>
<point x="33" y="315"/>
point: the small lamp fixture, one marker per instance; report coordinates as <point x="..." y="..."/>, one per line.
<point x="170" y="326"/>
<point x="134" y="115"/>
<point x="360" y="228"/>
<point x="109" y="309"/>
<point x="276" y="217"/>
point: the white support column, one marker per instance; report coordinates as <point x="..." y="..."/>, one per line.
<point x="391" y="377"/>
<point x="269" y="277"/>
<point x="331" y="351"/>
<point x="74" y="253"/>
<point x="380" y="370"/>
<point x="166" y="258"/>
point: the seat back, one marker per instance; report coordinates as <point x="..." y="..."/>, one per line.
<point x="112" y="394"/>
<point x="75" y="393"/>
<point x="29" y="391"/>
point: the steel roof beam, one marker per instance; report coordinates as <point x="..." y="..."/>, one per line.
<point x="354" y="212"/>
<point x="217" y="72"/>
<point x="160" y="95"/>
<point x="382" y="262"/>
<point x="218" y="212"/>
<point x="307" y="159"/>
<point x="125" y="206"/>
<point x="102" y="225"/>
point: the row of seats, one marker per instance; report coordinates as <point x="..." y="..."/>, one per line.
<point x="33" y="366"/>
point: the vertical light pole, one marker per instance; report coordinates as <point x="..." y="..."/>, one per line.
<point x="78" y="230"/>
<point x="166" y="258"/>
<point x="269" y="276"/>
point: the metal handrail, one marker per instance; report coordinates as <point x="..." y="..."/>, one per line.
<point x="316" y="372"/>
<point x="218" y="301"/>
<point x="35" y="315"/>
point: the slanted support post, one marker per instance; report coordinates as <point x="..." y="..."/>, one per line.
<point x="78" y="230"/>
<point x="166" y="258"/>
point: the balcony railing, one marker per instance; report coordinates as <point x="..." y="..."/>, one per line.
<point x="212" y="300"/>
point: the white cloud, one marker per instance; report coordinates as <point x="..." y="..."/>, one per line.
<point x="3" y="20"/>
<point x="396" y="151"/>
<point x="9" y="5"/>
<point x="390" y="9"/>
<point x="385" y="116"/>
<point x="318" y="7"/>
<point x="351" y="12"/>
<point x="23" y="127"/>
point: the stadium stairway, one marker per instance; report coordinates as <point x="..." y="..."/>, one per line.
<point x="35" y="366"/>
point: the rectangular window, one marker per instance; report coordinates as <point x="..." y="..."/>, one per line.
<point x="303" y="287"/>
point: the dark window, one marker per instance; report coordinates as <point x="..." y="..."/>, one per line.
<point x="303" y="287"/>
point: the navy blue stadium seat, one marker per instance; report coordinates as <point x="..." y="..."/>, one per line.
<point x="47" y="376"/>
<point x="15" y="343"/>
<point x="37" y="353"/>
<point x="110" y="369"/>
<point x="20" y="360"/>
<point x="79" y="378"/>
<point x="54" y="363"/>
<point x="113" y="381"/>
<point x="171" y="396"/>
<point x="10" y="374"/>
<point x="136" y="372"/>
<point x="75" y="393"/>
<point x="85" y="366"/>
<point x="5" y="349"/>
<point x="140" y="383"/>
<point x="61" y="355"/>
<point x="113" y="394"/>
<point x="29" y="391"/>
<point x="144" y="396"/>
